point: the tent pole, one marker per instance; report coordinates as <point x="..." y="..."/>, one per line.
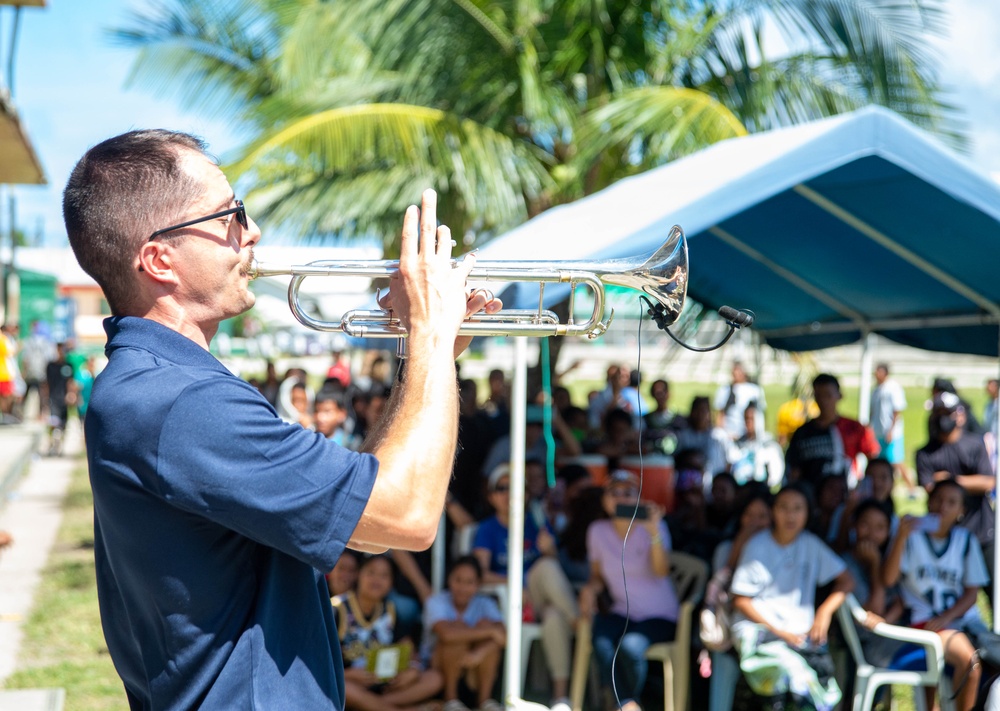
<point x="515" y="526"/>
<point x="865" y="386"/>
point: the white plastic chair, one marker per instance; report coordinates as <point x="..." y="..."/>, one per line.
<point x="870" y="678"/>
<point x="530" y="631"/>
<point x="689" y="576"/>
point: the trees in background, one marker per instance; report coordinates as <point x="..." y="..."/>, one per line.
<point x="346" y="109"/>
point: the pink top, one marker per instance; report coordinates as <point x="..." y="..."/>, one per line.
<point x="649" y="596"/>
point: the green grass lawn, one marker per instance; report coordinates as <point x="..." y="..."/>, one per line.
<point x="63" y="644"/>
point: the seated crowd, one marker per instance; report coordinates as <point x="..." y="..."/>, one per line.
<point x="788" y="531"/>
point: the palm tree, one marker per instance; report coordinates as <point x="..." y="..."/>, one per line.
<point x="349" y="107"/>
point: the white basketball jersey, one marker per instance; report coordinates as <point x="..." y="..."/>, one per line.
<point x="932" y="582"/>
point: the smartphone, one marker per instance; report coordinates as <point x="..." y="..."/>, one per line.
<point x="626" y="510"/>
<point x="928" y="524"/>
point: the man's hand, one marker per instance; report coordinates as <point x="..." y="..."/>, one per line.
<point x="427" y="293"/>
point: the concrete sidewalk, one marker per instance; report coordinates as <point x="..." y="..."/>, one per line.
<point x="33" y="487"/>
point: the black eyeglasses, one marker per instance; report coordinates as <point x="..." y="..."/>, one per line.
<point x="239" y="211"/>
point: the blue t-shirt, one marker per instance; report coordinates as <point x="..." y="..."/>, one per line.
<point x="441" y="607"/>
<point x="214" y="521"/>
<point x="492" y="535"/>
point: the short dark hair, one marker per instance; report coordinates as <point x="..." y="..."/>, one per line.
<point x="826" y="379"/>
<point x="118" y="195"/>
<point x="944" y="484"/>
<point x="467" y="560"/>
<point x="333" y="395"/>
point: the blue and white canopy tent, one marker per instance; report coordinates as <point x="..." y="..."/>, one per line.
<point x="828" y="231"/>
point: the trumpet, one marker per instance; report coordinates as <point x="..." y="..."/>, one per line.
<point x="661" y="275"/>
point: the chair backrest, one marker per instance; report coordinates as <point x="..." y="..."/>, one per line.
<point x="845" y="615"/>
<point x="689" y="576"/>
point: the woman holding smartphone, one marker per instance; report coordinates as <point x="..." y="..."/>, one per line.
<point x="644" y="591"/>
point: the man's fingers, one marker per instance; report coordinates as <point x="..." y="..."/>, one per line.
<point x="444" y="242"/>
<point x="428" y="221"/>
<point x="410" y="235"/>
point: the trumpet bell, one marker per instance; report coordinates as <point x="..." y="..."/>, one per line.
<point x="662" y="275"/>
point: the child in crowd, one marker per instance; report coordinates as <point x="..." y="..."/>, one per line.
<point x="877" y="487"/>
<point x="940" y="574"/>
<point x="464" y="636"/>
<point x="342" y="578"/>
<point x="870" y="529"/>
<point x="780" y="635"/>
<point x="651" y="604"/>
<point x="367" y="625"/>
<point x="330" y="416"/>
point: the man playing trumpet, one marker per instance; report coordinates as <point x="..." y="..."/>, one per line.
<point x="213" y="517"/>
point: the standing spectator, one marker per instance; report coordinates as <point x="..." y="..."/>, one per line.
<point x="888" y="402"/>
<point x="61" y="385"/>
<point x="944" y="385"/>
<point x="37" y="350"/>
<point x="990" y="411"/>
<point x="619" y="393"/>
<point x="794" y="413"/>
<point x="648" y="614"/>
<point x="756" y="456"/>
<point x="828" y="444"/>
<point x="8" y="375"/>
<point x="269" y="388"/>
<point x="84" y="385"/>
<point x="340" y="366"/>
<point x="713" y="442"/>
<point x="661" y="422"/>
<point x="464" y="636"/>
<point x="732" y="400"/>
<point x="952" y="452"/>
<point x="295" y="398"/>
<point x="990" y="419"/>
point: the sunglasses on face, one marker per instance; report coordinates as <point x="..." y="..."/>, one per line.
<point x="239" y="211"/>
<point x="623" y="493"/>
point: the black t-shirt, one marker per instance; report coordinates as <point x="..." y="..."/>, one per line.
<point x="966" y="456"/>
<point x="57" y="375"/>
<point x="813" y="451"/>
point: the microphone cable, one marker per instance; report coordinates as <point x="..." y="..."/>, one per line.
<point x="736" y="319"/>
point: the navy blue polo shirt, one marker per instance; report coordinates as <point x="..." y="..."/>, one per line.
<point x="214" y="521"/>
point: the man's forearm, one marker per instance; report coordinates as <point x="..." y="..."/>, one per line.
<point x="415" y="447"/>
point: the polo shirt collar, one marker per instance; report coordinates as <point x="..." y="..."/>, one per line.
<point x="148" y="335"/>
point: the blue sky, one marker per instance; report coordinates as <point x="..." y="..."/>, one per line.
<point x="70" y="90"/>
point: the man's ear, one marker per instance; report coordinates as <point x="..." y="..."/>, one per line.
<point x="156" y="261"/>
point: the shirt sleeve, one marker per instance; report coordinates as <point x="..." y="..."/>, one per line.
<point x="438" y="608"/>
<point x="225" y="455"/>
<point x="898" y="399"/>
<point x="976" y="574"/>
<point x="925" y="471"/>
<point x="752" y="574"/>
<point x="830" y="564"/>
